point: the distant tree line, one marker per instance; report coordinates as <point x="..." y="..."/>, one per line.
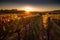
<point x="22" y="11"/>
<point x="10" y="11"/>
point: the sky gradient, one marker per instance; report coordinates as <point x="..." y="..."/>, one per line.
<point x="37" y="5"/>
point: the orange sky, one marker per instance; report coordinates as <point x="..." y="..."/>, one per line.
<point x="34" y="8"/>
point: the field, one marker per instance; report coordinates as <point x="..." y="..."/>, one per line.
<point x="29" y="27"/>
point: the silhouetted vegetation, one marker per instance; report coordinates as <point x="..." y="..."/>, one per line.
<point x="14" y="26"/>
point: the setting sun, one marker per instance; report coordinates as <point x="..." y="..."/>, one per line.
<point x="28" y="9"/>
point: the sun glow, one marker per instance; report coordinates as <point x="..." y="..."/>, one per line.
<point x="28" y="9"/>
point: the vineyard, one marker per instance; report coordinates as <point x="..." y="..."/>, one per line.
<point x="28" y="27"/>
